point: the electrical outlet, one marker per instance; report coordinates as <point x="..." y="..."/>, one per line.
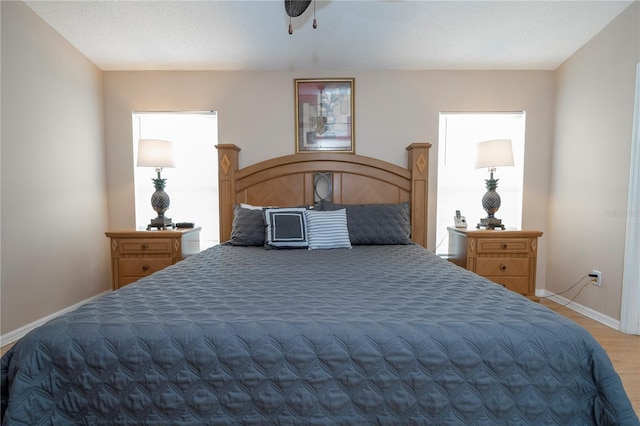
<point x="596" y="278"/>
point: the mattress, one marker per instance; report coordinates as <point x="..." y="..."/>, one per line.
<point x="368" y="335"/>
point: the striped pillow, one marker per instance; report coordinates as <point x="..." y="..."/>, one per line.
<point x="327" y="229"/>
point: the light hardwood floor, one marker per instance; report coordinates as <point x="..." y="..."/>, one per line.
<point x="623" y="349"/>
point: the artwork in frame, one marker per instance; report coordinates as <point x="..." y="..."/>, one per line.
<point x="325" y="115"/>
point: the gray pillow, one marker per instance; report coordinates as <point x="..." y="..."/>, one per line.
<point x="247" y="228"/>
<point x="376" y="224"/>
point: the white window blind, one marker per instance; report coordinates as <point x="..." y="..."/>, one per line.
<point x="460" y="185"/>
<point x="193" y="184"/>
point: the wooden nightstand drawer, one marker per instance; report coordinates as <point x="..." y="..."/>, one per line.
<point x="146" y="246"/>
<point x="503" y="245"/>
<point x="502" y="267"/>
<point x="141" y="267"/>
<point x="517" y="284"/>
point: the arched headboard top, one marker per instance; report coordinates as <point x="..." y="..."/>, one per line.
<point x="335" y="162"/>
<point x="290" y="180"/>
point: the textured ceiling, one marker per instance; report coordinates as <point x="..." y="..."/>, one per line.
<point x="358" y="35"/>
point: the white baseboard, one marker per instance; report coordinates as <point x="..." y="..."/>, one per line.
<point x="14" y="335"/>
<point x="587" y="312"/>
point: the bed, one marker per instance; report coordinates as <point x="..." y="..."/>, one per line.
<point x="383" y="332"/>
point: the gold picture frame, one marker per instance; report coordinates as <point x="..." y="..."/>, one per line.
<point x="325" y="115"/>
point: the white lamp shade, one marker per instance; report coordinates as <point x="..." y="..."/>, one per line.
<point x="155" y="153"/>
<point x="494" y="153"/>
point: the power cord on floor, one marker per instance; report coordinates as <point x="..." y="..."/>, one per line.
<point x="567" y="290"/>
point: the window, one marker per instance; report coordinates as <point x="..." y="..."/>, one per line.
<point x="193" y="184"/>
<point x="460" y="186"/>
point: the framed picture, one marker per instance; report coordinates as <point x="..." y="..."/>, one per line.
<point x="325" y="115"/>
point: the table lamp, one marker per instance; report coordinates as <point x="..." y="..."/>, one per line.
<point x="158" y="154"/>
<point x="492" y="154"/>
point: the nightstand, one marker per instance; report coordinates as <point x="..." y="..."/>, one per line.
<point x="136" y="254"/>
<point x="508" y="258"/>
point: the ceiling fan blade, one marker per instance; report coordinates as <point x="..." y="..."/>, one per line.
<point x="296" y="7"/>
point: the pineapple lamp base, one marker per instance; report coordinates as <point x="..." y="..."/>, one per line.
<point x="490" y="223"/>
<point x="161" y="223"/>
<point x="491" y="203"/>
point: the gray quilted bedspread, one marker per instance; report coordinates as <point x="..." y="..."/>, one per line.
<point x="371" y="335"/>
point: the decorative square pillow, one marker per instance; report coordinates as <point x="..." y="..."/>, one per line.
<point x="373" y="224"/>
<point x="285" y="227"/>
<point x="327" y="229"/>
<point x="247" y="228"/>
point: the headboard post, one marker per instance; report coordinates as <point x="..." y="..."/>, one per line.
<point x="419" y="168"/>
<point x="227" y="167"/>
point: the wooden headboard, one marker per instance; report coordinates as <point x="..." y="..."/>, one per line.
<point x="289" y="181"/>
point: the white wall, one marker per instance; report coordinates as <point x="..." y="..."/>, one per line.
<point x="54" y="252"/>
<point x="393" y="109"/>
<point x="53" y="186"/>
<point x="588" y="201"/>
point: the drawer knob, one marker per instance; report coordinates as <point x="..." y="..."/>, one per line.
<point x="503" y="267"/>
<point x="145" y="268"/>
<point x="144" y="247"/>
<point x="503" y="246"/>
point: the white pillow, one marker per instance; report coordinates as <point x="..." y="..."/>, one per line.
<point x="327" y="229"/>
<point x="250" y="207"/>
